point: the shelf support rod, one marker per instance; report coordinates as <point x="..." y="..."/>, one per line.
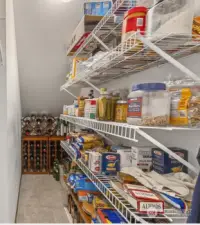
<point x="100" y="42"/>
<point x="167" y="150"/>
<point x="70" y="93"/>
<point x="168" y="58"/>
<point x="92" y="85"/>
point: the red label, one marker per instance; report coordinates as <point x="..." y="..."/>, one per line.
<point x="135" y="107"/>
<point x="80" y="42"/>
<point x="110" y="157"/>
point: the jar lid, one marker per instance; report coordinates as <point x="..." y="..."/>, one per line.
<point x="149" y="87"/>
<point x="140" y="9"/>
<point x="121" y="102"/>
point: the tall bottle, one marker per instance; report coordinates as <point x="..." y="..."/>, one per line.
<point x="115" y="98"/>
<point x="102" y="104"/>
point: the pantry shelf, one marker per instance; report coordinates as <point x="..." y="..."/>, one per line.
<point x="105" y="30"/>
<point x="137" y="54"/>
<point x="117" y="201"/>
<point x="129" y="132"/>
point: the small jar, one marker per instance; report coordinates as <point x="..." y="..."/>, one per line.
<point x="121" y="111"/>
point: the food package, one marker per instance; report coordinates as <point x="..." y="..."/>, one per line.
<point x="95" y="162"/>
<point x="100" y="202"/>
<point x="84" y="184"/>
<point x="125" y="157"/>
<point x="109" y="216"/>
<point x="126" y="178"/>
<point x="163" y="163"/>
<point x="89" y="145"/>
<point x="170" y="17"/>
<point x="90" y="110"/>
<point x="196" y="27"/>
<point x="144" y="200"/>
<point x="86" y="196"/>
<point x="97" y="8"/>
<point x="110" y="163"/>
<point x="142" y="157"/>
<point x="185" y="104"/>
<point x="88" y="138"/>
<point x="76" y="62"/>
<point x="83" y="30"/>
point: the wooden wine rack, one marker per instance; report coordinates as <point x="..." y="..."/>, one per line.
<point x="55" y="150"/>
<point x="34" y="148"/>
<point x="37" y="157"/>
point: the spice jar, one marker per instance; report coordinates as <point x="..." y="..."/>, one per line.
<point x="149" y="105"/>
<point x="121" y="111"/>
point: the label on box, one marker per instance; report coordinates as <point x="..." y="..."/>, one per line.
<point x="151" y="207"/>
<point x="143" y="195"/>
<point x="135" y="107"/>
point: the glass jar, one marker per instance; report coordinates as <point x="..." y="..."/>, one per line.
<point x="102" y="104"/>
<point x="121" y="111"/>
<point x="149" y="105"/>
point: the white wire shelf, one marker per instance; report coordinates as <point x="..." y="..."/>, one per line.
<point x="129" y="132"/>
<point x="118" y="201"/>
<point x="139" y="53"/>
<point x="106" y="29"/>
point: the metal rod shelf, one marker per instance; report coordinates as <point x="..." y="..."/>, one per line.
<point x="117" y="200"/>
<point x="129" y="132"/>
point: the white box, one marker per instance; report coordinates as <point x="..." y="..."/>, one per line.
<point x="95" y="162"/>
<point x="141" y="157"/>
<point x="82" y="31"/>
<point x="125" y="157"/>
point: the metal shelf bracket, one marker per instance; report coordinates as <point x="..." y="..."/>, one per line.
<point x="69" y="92"/>
<point x="167" y="57"/>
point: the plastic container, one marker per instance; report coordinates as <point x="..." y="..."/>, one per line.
<point x="134" y="20"/>
<point x="149" y="105"/>
<point x="170" y="17"/>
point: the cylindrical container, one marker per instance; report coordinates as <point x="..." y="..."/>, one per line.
<point x="149" y="105"/>
<point x="121" y="111"/>
<point x="134" y="20"/>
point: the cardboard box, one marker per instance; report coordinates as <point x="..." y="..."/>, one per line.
<point x="142" y="157"/>
<point x="87" y="196"/>
<point x="95" y="162"/>
<point x="144" y="200"/>
<point x="82" y="31"/>
<point x="125" y="157"/>
<point x="110" y="163"/>
<point x="164" y="163"/>
<point x="97" y="8"/>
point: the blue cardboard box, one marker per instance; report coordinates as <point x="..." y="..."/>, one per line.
<point x="163" y="163"/>
<point x="110" y="163"/>
<point x="97" y="8"/>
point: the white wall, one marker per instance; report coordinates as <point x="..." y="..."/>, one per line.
<point x="184" y="139"/>
<point x="3" y="110"/>
<point x="43" y="27"/>
<point x="10" y="117"/>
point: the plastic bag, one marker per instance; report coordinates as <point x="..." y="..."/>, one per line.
<point x="170" y="16"/>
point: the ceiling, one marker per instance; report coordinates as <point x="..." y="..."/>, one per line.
<point x="43" y="28"/>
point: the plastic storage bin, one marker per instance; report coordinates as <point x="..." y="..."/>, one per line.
<point x="170" y="17"/>
<point x="149" y="105"/>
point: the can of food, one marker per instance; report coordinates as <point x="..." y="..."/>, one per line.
<point x="121" y="111"/>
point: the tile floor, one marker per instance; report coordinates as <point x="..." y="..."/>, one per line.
<point x="41" y="200"/>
